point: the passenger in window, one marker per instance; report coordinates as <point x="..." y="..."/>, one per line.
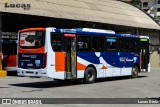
<point x="37" y="43"/>
<point x="100" y="49"/>
<point x="93" y="50"/>
<point x="86" y="46"/>
<point x="80" y="46"/>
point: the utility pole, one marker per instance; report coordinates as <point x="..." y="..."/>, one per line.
<point x="155" y="13"/>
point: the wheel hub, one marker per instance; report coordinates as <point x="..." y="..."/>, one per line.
<point x="90" y="75"/>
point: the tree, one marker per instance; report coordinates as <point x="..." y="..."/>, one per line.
<point x="136" y="3"/>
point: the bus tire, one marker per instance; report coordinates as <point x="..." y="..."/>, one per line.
<point x="135" y="71"/>
<point x="89" y="75"/>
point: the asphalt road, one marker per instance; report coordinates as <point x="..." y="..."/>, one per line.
<point x="146" y="85"/>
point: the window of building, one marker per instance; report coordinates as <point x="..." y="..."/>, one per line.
<point x="158" y="9"/>
<point x="145" y="4"/>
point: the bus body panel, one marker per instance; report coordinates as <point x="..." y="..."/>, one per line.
<point x="50" y="64"/>
<point x="54" y="68"/>
<point x="80" y="73"/>
<point x="9" y="62"/>
<point x="108" y="63"/>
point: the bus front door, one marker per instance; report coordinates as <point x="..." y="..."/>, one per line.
<point x="70" y="47"/>
<point x="144" y="55"/>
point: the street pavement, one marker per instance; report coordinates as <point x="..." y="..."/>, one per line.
<point x="147" y="85"/>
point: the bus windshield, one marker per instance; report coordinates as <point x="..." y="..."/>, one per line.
<point x="31" y="39"/>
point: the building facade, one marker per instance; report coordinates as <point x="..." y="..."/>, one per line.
<point x="152" y="7"/>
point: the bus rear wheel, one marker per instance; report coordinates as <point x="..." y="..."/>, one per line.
<point x="89" y="75"/>
<point x="135" y="71"/>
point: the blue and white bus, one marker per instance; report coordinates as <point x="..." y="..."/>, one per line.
<point x="82" y="53"/>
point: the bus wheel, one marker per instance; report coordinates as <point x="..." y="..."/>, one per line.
<point x="135" y="71"/>
<point x="89" y="75"/>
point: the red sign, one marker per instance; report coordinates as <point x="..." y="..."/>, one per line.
<point x="22" y="41"/>
<point x="70" y="35"/>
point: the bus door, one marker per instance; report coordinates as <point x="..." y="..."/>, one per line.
<point x="70" y="48"/>
<point x="144" y="54"/>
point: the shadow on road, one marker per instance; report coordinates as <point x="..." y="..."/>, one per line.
<point x="116" y="78"/>
<point x="50" y="84"/>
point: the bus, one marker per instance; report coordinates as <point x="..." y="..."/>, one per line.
<point x="9" y="49"/>
<point x="81" y="53"/>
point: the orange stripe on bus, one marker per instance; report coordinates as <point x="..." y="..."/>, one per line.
<point x="80" y="66"/>
<point x="104" y="67"/>
<point x="37" y="50"/>
<point x="140" y="60"/>
<point x="32" y="29"/>
<point x="60" y="61"/>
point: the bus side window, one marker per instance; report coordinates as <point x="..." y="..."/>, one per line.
<point x="134" y="45"/>
<point x="80" y="44"/>
<point x="111" y="44"/>
<point x="56" y="42"/>
<point x="137" y="45"/>
<point x="39" y="39"/>
<point x="84" y="43"/>
<point x="123" y="44"/>
<point x="98" y="44"/>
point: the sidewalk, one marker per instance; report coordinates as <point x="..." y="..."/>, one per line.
<point x="155" y="69"/>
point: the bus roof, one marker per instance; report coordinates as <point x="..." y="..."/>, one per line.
<point x="97" y="32"/>
<point x="87" y="31"/>
<point x="32" y="29"/>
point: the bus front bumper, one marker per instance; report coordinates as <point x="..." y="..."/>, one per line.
<point x="31" y="72"/>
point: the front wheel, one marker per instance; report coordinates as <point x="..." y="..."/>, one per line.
<point x="89" y="75"/>
<point x="135" y="71"/>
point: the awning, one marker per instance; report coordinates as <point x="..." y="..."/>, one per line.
<point x="103" y="11"/>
